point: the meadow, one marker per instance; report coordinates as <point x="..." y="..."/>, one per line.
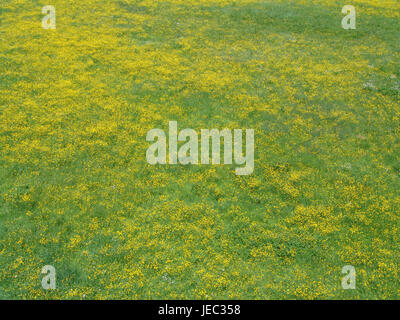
<point x="77" y="193"/>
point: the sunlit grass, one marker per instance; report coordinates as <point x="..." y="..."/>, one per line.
<point x="77" y="193"/>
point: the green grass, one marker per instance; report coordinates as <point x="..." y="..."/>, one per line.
<point x="77" y="193"/>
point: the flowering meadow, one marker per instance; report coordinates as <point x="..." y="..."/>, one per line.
<point x="77" y="193"/>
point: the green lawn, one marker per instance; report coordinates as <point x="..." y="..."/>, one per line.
<point x="77" y="193"/>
